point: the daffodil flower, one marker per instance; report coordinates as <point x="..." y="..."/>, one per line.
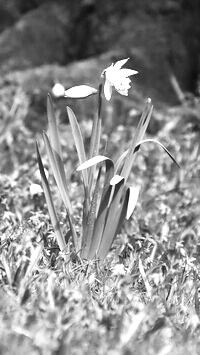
<point x="118" y="78"/>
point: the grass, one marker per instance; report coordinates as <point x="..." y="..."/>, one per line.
<point x="144" y="298"/>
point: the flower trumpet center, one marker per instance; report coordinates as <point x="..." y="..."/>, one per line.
<point x="117" y="77"/>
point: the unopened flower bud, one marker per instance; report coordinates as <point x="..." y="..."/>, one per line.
<point x="80" y="92"/>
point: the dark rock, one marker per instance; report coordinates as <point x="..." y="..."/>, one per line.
<point x="39" y="37"/>
<point x="9" y="13"/>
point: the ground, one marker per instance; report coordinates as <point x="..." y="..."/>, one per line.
<point x="144" y="298"/>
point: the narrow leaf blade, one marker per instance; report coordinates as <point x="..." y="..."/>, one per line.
<point x="91" y="162"/>
<point x="162" y="146"/>
<point x="99" y="225"/>
<point x="95" y="138"/>
<point x="124" y="154"/>
<point x="61" y="183"/>
<point x="133" y="198"/>
<point x="54" y="151"/>
<point x="91" y="217"/>
<point x="103" y="209"/>
<point x="78" y="140"/>
<point x="139" y="134"/>
<point x="50" y="205"/>
<point x="57" y="173"/>
<point x="110" y="225"/>
<point x="95" y="150"/>
<point x="53" y="129"/>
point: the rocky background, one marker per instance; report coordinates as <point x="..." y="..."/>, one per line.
<point x="43" y="42"/>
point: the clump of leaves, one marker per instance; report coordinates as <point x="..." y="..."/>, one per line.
<point x="108" y="199"/>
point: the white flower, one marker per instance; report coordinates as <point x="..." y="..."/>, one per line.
<point x="58" y="90"/>
<point x="119" y="270"/>
<point x="117" y="77"/>
<point x="35" y="189"/>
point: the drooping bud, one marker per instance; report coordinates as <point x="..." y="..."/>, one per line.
<point x="80" y="92"/>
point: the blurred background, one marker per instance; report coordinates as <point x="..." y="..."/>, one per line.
<point x="71" y="42"/>
<point x="44" y="42"/>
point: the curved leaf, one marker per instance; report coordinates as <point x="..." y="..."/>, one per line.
<point x="162" y="146"/>
<point x="91" y="162"/>
<point x="50" y="205"/>
<point x="123" y="156"/>
<point x="133" y="197"/>
<point x="62" y="186"/>
<point x="116" y="179"/>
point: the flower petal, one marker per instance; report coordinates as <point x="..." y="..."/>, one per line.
<point x="118" y="78"/>
<point x="128" y="72"/>
<point x="107" y="90"/>
<point x="111" y="74"/>
<point x="120" y="63"/>
<point x="123" y="92"/>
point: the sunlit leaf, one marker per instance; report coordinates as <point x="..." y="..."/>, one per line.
<point x="50" y="205"/>
<point x="57" y="174"/>
<point x="91" y="162"/>
<point x="139" y="134"/>
<point x="54" y="152"/>
<point x="116" y="179"/>
<point x="133" y="197"/>
<point x="162" y="146"/>
<point x="148" y="140"/>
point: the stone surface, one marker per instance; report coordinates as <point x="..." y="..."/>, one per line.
<point x="39" y="37"/>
